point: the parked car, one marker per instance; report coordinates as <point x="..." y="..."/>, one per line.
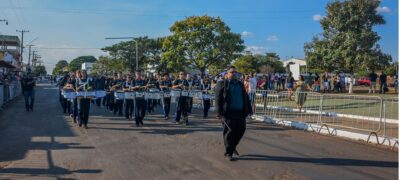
<point x="363" y="81"/>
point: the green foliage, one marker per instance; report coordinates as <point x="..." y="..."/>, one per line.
<point x="200" y="42"/>
<point x="149" y="53"/>
<point x="108" y="65"/>
<point x="255" y="63"/>
<point x="40" y="70"/>
<point x="393" y="69"/>
<point x="348" y="41"/>
<point x="76" y="63"/>
<point x="58" y="69"/>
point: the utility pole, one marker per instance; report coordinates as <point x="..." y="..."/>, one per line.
<point x="29" y="56"/>
<point x="22" y="43"/>
<point x="33" y="58"/>
<point x="4" y="20"/>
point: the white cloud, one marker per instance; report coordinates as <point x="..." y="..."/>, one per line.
<point x="246" y="34"/>
<point x="257" y="49"/>
<point x="383" y="9"/>
<point x="317" y="17"/>
<point x="272" y="38"/>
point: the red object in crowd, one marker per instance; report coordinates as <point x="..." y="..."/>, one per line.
<point x="364" y="81"/>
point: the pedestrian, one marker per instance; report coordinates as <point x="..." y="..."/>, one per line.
<point x="206" y="87"/>
<point x="28" y="84"/>
<point x="290" y="85"/>
<point x="233" y="106"/>
<point x="383" y="83"/>
<point x="301" y="92"/>
<point x="372" y="78"/>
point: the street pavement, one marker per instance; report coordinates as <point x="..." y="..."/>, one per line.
<point x="45" y="144"/>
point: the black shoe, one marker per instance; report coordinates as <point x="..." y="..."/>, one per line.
<point x="235" y="152"/>
<point x="85" y="127"/>
<point x="229" y="157"/>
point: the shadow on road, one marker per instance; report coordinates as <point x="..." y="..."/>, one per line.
<point x="321" y="161"/>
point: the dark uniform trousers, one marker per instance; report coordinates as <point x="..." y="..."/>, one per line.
<point x="128" y="108"/>
<point x="140" y="110"/>
<point x="232" y="134"/>
<point x="84" y="104"/>
<point x="167" y="106"/>
<point x="182" y="108"/>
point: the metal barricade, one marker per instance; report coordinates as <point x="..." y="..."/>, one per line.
<point x="352" y="112"/>
<point x="390" y="130"/>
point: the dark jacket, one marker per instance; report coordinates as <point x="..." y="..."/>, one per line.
<point x="223" y="98"/>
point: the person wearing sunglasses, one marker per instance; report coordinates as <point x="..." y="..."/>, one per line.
<point x="233" y="107"/>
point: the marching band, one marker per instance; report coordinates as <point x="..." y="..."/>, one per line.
<point x="133" y="96"/>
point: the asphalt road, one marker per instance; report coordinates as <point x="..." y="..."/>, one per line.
<point x="45" y="144"/>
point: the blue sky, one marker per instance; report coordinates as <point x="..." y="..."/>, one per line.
<point x="266" y="25"/>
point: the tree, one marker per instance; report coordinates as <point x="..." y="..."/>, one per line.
<point x="108" y="65"/>
<point x="58" y="69"/>
<point x="149" y="53"/>
<point x="348" y="41"/>
<point x="246" y="64"/>
<point x="40" y="70"/>
<point x="76" y="63"/>
<point x="393" y="69"/>
<point x="199" y="42"/>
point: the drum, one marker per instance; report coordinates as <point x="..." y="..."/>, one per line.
<point x="149" y="95"/>
<point x="208" y="96"/>
<point x="90" y="94"/>
<point x="129" y="95"/>
<point x="80" y="94"/>
<point x="197" y="94"/>
<point x="167" y="95"/>
<point x="139" y="94"/>
<point x="100" y="94"/>
<point x="119" y="95"/>
<point x="69" y="94"/>
<point x="175" y="93"/>
<point x="154" y="90"/>
<point x="185" y="93"/>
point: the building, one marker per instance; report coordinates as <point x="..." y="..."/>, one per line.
<point x="296" y="66"/>
<point x="88" y="67"/>
<point x="9" y="53"/>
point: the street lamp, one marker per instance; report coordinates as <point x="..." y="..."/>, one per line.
<point x="136" y="44"/>
<point x="5" y="20"/>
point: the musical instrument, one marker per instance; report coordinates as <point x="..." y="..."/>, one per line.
<point x="119" y="95"/>
<point x="139" y="94"/>
<point x="175" y="93"/>
<point x="129" y="94"/>
<point x="86" y="94"/>
<point x="68" y="93"/>
<point x="100" y="94"/>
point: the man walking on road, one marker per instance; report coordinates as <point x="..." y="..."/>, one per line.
<point x="233" y="106"/>
<point x="28" y="84"/>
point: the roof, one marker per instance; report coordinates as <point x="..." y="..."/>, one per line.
<point x="9" y="40"/>
<point x="301" y="62"/>
<point x="6" y="64"/>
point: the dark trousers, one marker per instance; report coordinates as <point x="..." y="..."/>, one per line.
<point x="140" y="110"/>
<point x="183" y="108"/>
<point x="69" y="108"/>
<point x="235" y="131"/>
<point x="98" y="101"/>
<point x="167" y="106"/>
<point x="382" y="88"/>
<point x="64" y="104"/>
<point x="190" y="99"/>
<point x="84" y="104"/>
<point x="110" y="101"/>
<point x="29" y="98"/>
<point x="128" y="108"/>
<point x="104" y="101"/>
<point x="118" y="106"/>
<point x="150" y="104"/>
<point x="75" y="110"/>
<point x="207" y="105"/>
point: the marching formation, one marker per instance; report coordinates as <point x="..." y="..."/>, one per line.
<point x="132" y="96"/>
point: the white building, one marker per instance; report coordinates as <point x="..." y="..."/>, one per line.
<point x="294" y="66"/>
<point x="88" y="67"/>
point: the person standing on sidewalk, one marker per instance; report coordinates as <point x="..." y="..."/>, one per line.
<point x="233" y="106"/>
<point x="28" y="84"/>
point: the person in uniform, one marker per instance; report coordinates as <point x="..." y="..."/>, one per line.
<point x="84" y="84"/>
<point x="183" y="101"/>
<point x="165" y="86"/>
<point x="117" y="86"/>
<point x="71" y="84"/>
<point x="61" y="84"/>
<point x="28" y="84"/>
<point x="151" y="84"/>
<point x="100" y="85"/>
<point x="205" y="87"/>
<point x="234" y="106"/>
<point x="139" y="86"/>
<point x="129" y="105"/>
